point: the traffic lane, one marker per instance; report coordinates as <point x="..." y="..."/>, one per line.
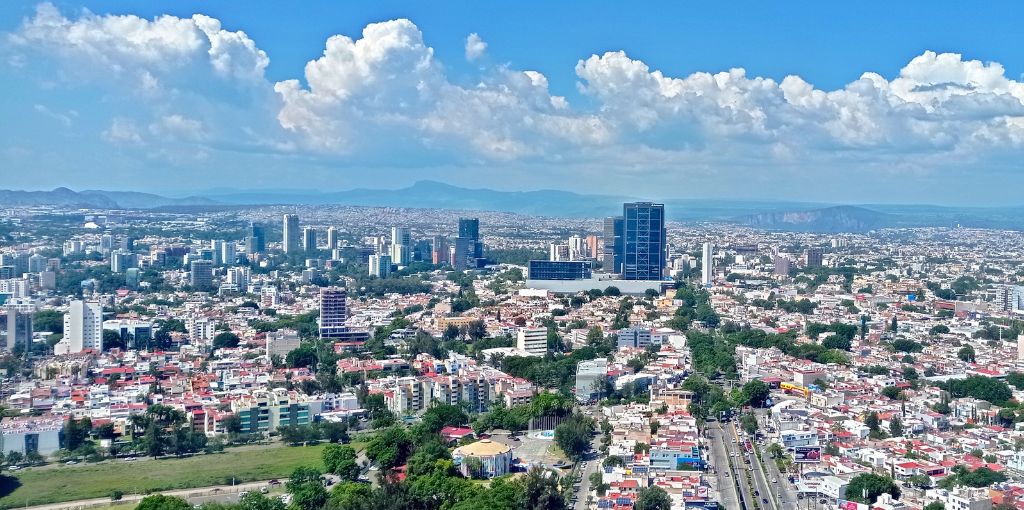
<point x="593" y="463"/>
<point x="738" y="468"/>
<point x="764" y="493"/>
<point x="725" y="485"/>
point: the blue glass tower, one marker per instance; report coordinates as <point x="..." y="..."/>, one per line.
<point x="644" y="240"/>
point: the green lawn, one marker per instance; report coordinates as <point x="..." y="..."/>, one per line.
<point x="69" y="483"/>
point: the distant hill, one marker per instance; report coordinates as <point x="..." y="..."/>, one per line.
<point x="137" y="200"/>
<point x="96" y="199"/>
<point x="765" y="214"/>
<point x="843" y="218"/>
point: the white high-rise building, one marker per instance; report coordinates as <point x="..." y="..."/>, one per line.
<point x="1020" y="347"/>
<point x="380" y="266"/>
<point x="533" y="340"/>
<point x="83" y="328"/>
<point x="708" y="266"/>
<point x="401" y="246"/>
<point x="558" y="252"/>
<point x="577" y="248"/>
<point x="332" y="238"/>
<point x="290" y="241"/>
<point x="228" y="251"/>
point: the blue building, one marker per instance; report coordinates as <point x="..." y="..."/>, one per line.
<point x="644" y="239"/>
<point x="560" y="269"/>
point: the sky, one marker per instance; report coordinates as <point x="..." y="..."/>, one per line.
<point x="865" y="102"/>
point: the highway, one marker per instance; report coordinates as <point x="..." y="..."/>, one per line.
<point x="725" y="476"/>
<point x="764" y="490"/>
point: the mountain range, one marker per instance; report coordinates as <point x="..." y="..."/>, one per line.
<point x="769" y="215"/>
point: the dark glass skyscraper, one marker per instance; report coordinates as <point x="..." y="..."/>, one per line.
<point x="645" y="246"/>
<point x="256" y="241"/>
<point x="469" y="229"/>
<point x="612" y="252"/>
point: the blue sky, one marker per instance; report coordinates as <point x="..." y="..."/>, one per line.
<point x="543" y="99"/>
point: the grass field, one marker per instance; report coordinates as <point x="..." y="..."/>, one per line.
<point x="69" y="483"/>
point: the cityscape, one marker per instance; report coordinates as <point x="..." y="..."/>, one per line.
<point x="239" y="325"/>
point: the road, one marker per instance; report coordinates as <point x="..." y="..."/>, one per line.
<point x="593" y="464"/>
<point x="724" y="474"/>
<point x="764" y="490"/>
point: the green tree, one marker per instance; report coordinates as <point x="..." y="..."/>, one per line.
<point x="872" y="485"/>
<point x="573" y="435"/>
<point x="390" y="448"/>
<point x="895" y="427"/>
<point x="935" y="505"/>
<point x="161" y="502"/>
<point x="226" y="339"/>
<point x="966" y="353"/>
<point x="755" y="393"/>
<point x="349" y="496"/>
<point x="653" y="498"/>
<point x="341" y="460"/>
<point x="256" y="501"/>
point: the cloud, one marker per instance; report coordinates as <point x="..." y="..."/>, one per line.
<point x="475" y="47"/>
<point x="384" y="98"/>
<point x="127" y="44"/>
<point x="122" y="132"/>
<point x="63" y="119"/>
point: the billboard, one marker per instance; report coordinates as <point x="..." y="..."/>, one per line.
<point x="807" y="454"/>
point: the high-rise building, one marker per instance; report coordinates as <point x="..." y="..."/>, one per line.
<point x="132" y="277"/>
<point x="290" y="242"/>
<point x="781" y="265"/>
<point x="121" y="260"/>
<point x="401" y="246"/>
<point x="707" y="272"/>
<point x="19" y="329"/>
<point x="256" y="241"/>
<point x="309" y="239"/>
<point x="644" y="239"/>
<point x="333" y="312"/>
<point x="463" y="257"/>
<point x="36" y="263"/>
<point x="83" y="328"/>
<point x="557" y="251"/>
<point x="591" y="241"/>
<point x="201" y="274"/>
<point x="577" y="248"/>
<point x="332" y="238"/>
<point x="228" y="251"/>
<point x="469" y="228"/>
<point x="439" y="250"/>
<point x="380" y="266"/>
<point x="533" y="340"/>
<point x="217" y="249"/>
<point x="812" y="257"/>
<point x="613" y="249"/>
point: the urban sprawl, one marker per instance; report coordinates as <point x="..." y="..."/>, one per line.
<point x="343" y="358"/>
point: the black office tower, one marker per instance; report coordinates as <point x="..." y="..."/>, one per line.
<point x="645" y="246"/>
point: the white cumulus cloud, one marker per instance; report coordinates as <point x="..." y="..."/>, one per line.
<point x="475" y="47"/>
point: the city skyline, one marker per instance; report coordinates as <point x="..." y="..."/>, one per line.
<point x="193" y="97"/>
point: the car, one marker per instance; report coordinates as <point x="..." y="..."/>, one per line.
<point x="264" y="489"/>
<point x="775" y="480"/>
<point x="727" y="474"/>
<point x="70" y="463"/>
<point x="275" y="481"/>
<point x="764" y="500"/>
<point x="243" y="494"/>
